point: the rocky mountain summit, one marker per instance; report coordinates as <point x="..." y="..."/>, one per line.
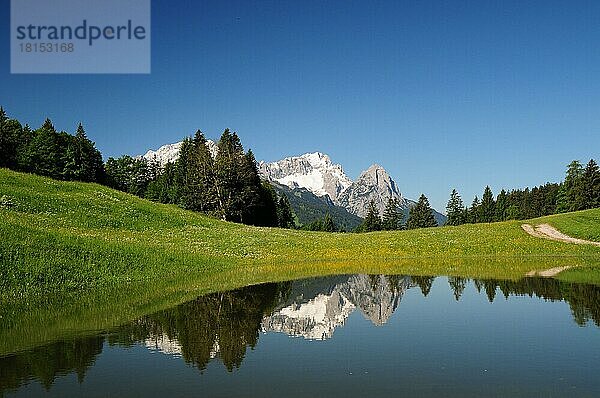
<point x="313" y="171"/>
<point x="373" y="184"/>
<point x="316" y="173"/>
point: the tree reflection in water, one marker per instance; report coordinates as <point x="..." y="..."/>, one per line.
<point x="223" y="325"/>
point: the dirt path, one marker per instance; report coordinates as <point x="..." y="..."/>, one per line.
<point x="547" y="231"/>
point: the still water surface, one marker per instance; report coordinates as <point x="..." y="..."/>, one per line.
<point x="352" y="336"/>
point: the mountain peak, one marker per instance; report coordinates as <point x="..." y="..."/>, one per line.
<point x="373" y="184"/>
<point x="375" y="169"/>
<point x="375" y="166"/>
<point x="314" y="171"/>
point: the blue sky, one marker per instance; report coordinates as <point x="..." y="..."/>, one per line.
<point x="443" y="94"/>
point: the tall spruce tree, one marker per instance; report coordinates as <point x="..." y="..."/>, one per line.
<point x="43" y="154"/>
<point x="229" y="157"/>
<point x="182" y="190"/>
<point x="392" y="217"/>
<point x="372" y="220"/>
<point x="421" y="215"/>
<point x="501" y="206"/>
<point x="285" y="215"/>
<point x="264" y="211"/>
<point x="455" y="209"/>
<point x="488" y="206"/>
<point x="10" y="141"/>
<point x="573" y="188"/>
<point x="591" y="185"/>
<point x="474" y="211"/>
<point x="198" y="191"/>
<point x="83" y="162"/>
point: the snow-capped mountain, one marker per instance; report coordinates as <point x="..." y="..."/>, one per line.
<point x="316" y="173"/>
<point x="316" y="309"/>
<point x="313" y="171"/>
<point x="373" y="184"/>
<point x="170" y="152"/>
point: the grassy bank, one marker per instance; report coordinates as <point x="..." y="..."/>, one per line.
<point x="69" y="236"/>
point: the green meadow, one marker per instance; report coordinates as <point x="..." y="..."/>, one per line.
<point x="64" y="236"/>
<point x="78" y="257"/>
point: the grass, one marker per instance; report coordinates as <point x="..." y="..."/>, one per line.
<point x="77" y="256"/>
<point x="68" y="236"/>
<point x="581" y="224"/>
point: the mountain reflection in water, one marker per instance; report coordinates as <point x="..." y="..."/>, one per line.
<point x="222" y="326"/>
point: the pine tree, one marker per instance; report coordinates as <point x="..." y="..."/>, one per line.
<point x="264" y="212"/>
<point x="256" y="207"/>
<point x="10" y="137"/>
<point x="573" y="190"/>
<point x="201" y="175"/>
<point x="562" y="200"/>
<point x="501" y="206"/>
<point x="228" y="182"/>
<point x="82" y="161"/>
<point x="285" y="215"/>
<point x="372" y="221"/>
<point x="183" y="192"/>
<point x="421" y="215"/>
<point x="591" y="185"/>
<point x="474" y="211"/>
<point x="392" y="218"/>
<point x="455" y="209"/>
<point x="488" y="206"/>
<point x="43" y="154"/>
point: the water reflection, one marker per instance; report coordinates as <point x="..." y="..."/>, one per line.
<point x="314" y="308"/>
<point x="222" y="326"/>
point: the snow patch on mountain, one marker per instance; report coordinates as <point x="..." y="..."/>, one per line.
<point x="316" y="316"/>
<point x="313" y="171"/>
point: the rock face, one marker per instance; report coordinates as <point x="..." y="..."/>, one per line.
<point x="373" y="184"/>
<point x="170" y="153"/>
<point x="316" y="173"/>
<point x="313" y="171"/>
<point x="314" y="310"/>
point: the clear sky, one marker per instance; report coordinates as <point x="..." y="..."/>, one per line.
<point x="443" y="94"/>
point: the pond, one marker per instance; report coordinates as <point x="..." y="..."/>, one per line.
<point x="352" y="336"/>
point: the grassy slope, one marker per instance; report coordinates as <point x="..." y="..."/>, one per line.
<point x="138" y="256"/>
<point x="70" y="235"/>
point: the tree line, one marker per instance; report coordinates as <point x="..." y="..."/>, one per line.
<point x="420" y="216"/>
<point x="46" y="152"/>
<point x="226" y="186"/>
<point x="579" y="191"/>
